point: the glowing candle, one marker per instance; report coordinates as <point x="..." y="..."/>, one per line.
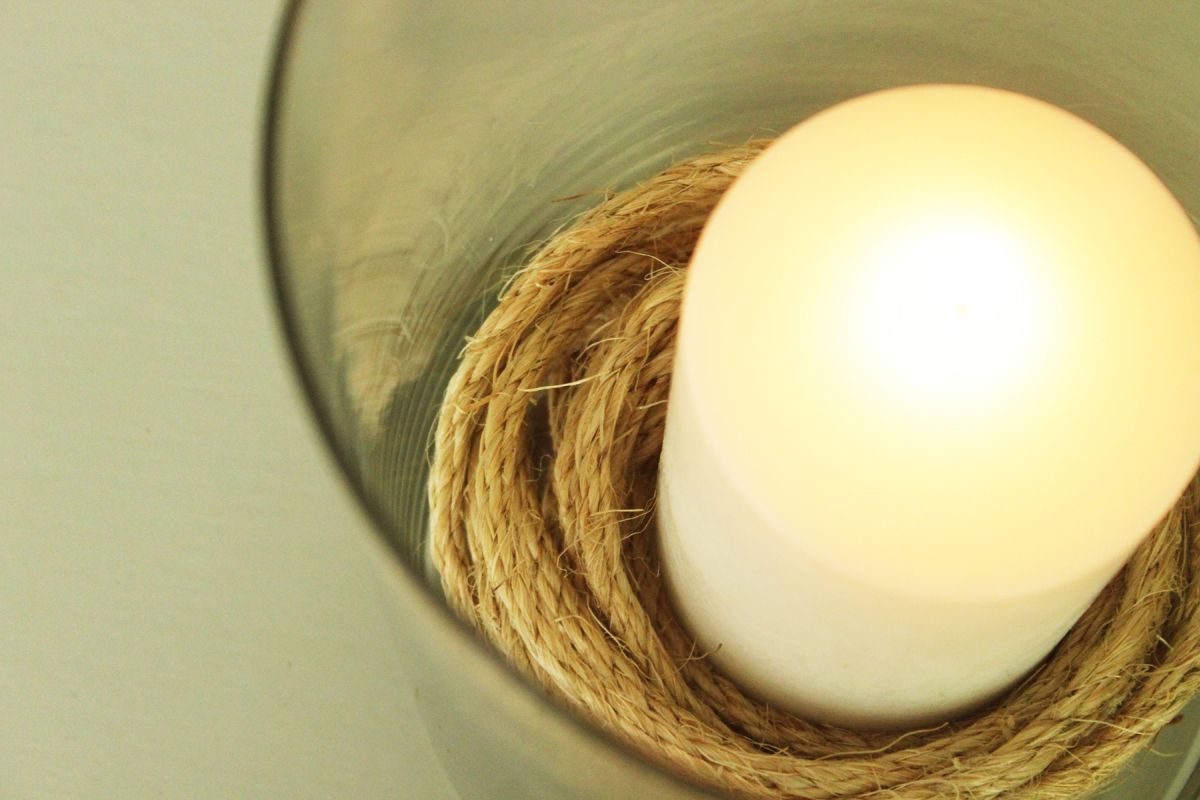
<point x="938" y="373"/>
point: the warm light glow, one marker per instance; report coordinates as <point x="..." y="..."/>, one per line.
<point x="950" y="311"/>
<point x="937" y="374"/>
<point x="955" y="317"/>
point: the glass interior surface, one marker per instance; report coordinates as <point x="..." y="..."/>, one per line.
<point x="417" y="150"/>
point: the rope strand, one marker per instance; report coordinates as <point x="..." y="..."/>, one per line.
<point x="542" y="495"/>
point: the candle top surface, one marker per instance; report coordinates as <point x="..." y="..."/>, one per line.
<point x="947" y="339"/>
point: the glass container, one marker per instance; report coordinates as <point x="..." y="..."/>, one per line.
<point x="415" y="150"/>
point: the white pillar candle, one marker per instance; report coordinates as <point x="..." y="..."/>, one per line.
<point x="938" y="373"/>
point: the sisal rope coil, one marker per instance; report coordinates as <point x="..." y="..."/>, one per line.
<point x="542" y="495"/>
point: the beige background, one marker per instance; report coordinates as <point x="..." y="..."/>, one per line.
<point x="186" y="607"/>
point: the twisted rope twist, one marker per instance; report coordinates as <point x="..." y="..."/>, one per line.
<point x="542" y="496"/>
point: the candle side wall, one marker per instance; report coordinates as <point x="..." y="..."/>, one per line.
<point x="814" y="639"/>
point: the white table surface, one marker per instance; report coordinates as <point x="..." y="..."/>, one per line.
<point x="186" y="601"/>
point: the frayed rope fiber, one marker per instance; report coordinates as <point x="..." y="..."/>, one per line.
<point x="542" y="498"/>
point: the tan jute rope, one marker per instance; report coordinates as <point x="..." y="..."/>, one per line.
<point x="542" y="495"/>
